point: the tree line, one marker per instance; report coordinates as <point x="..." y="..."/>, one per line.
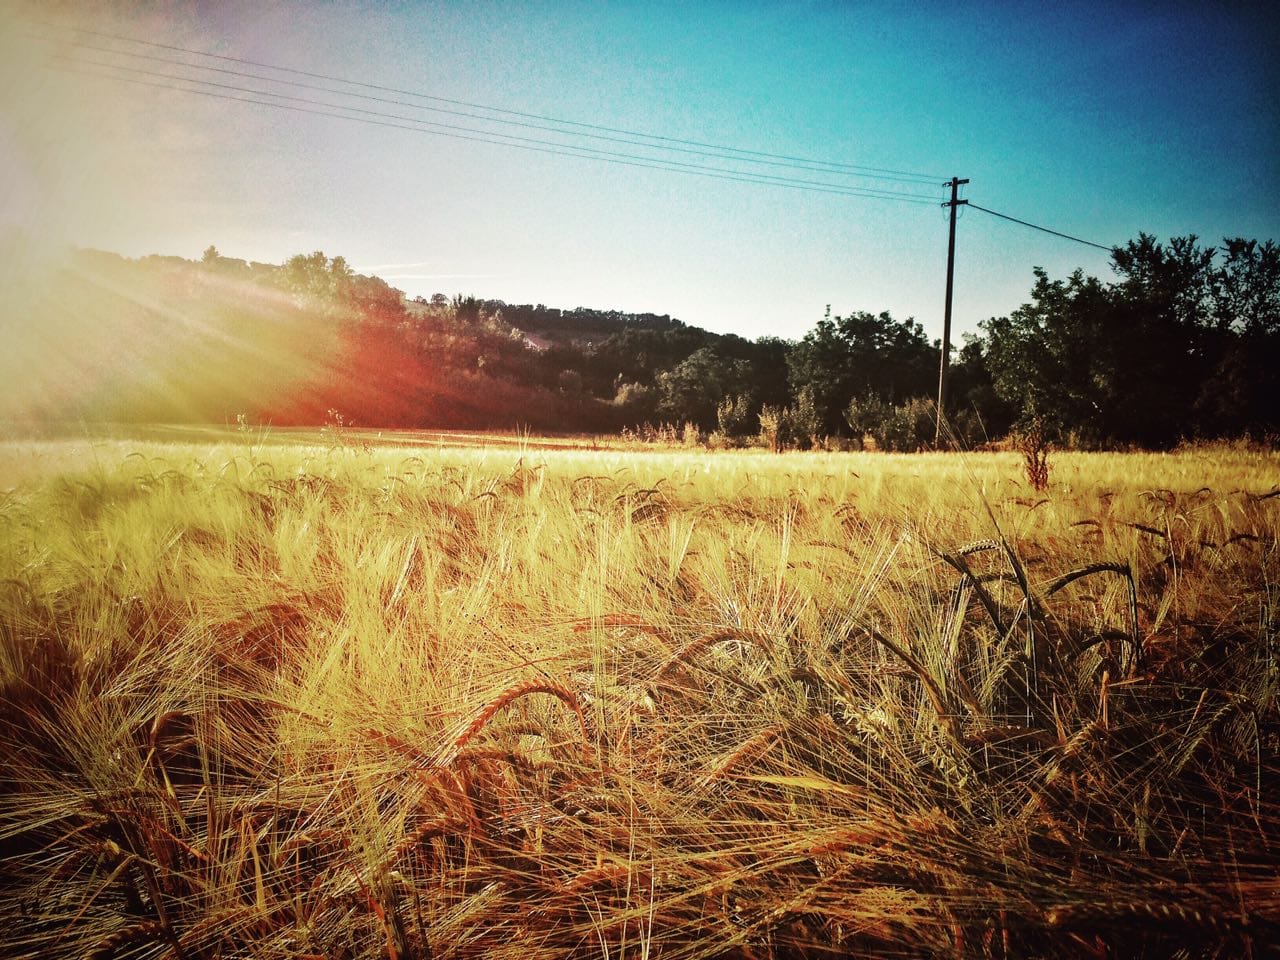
<point x="1181" y="342"/>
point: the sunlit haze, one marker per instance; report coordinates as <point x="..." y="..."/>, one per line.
<point x="1091" y="119"/>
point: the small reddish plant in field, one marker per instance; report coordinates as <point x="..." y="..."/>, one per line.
<point x="1033" y="443"/>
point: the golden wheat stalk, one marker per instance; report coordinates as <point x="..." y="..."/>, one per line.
<point x="700" y="643"/>
<point x="1121" y="569"/>
<point x="420" y="834"/>
<point x="512" y="693"/>
<point x="147" y="932"/>
<point x="748" y="751"/>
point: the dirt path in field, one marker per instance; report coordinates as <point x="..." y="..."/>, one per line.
<point x="310" y="436"/>
<point x="459" y="438"/>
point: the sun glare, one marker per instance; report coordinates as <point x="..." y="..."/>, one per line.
<point x="93" y="336"/>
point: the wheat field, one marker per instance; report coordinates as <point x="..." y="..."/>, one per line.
<point x="277" y="699"/>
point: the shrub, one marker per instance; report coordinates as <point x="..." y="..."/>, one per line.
<point x="802" y="423"/>
<point x="733" y="414"/>
<point x="771" y="427"/>
<point x="638" y="402"/>
<point x="718" y="440"/>
<point x="908" y="427"/>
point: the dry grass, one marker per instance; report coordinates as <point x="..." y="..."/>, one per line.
<point x="281" y="701"/>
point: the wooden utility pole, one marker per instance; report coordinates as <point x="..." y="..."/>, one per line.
<point x="954" y="184"/>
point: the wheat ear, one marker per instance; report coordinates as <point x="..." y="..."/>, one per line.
<point x="514" y="692"/>
<point x="146" y="932"/>
<point x="702" y="642"/>
<point x="748" y="751"/>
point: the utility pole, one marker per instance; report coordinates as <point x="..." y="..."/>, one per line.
<point x="954" y="183"/>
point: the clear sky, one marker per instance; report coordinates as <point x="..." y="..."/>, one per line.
<point x="1096" y="119"/>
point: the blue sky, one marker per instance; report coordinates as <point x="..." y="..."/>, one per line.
<point x="1099" y="120"/>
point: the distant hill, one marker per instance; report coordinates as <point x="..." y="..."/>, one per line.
<point x="582" y="325"/>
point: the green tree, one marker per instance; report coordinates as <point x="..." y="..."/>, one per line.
<point x="858" y="355"/>
<point x="977" y="413"/>
<point x="317" y="278"/>
<point x="1242" y="392"/>
<point x="1177" y="346"/>
<point x="768" y="357"/>
<point x="692" y="390"/>
<point x="1248" y="288"/>
<point x="1057" y="356"/>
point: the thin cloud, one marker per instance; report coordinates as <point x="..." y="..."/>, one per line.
<point x="440" y="276"/>
<point x="392" y="266"/>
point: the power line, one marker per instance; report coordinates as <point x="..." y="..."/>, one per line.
<point x="591" y="151"/>
<point x="921" y="177"/>
<point x="487" y="135"/>
<point x="567" y="151"/>
<point x="715" y="153"/>
<point x="1065" y="236"/>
